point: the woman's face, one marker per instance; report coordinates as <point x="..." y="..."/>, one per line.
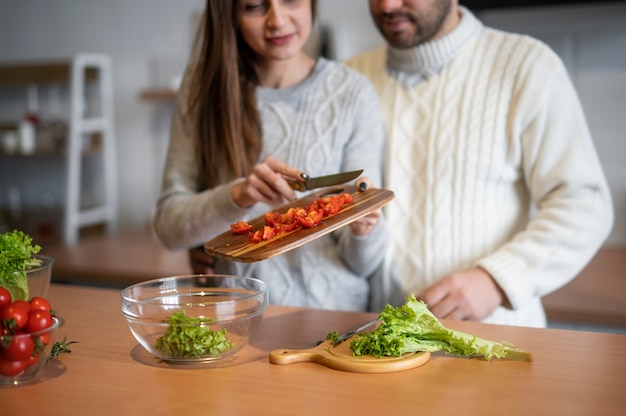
<point x="276" y="30"/>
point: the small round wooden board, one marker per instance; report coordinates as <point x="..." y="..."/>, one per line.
<point x="341" y="358"/>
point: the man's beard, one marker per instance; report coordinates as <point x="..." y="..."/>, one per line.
<point x="425" y="27"/>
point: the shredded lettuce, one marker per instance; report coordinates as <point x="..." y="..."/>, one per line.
<point x="16" y="256"/>
<point x="413" y="328"/>
<point x="189" y="337"/>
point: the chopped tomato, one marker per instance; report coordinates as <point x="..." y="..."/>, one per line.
<point x="311" y="219"/>
<point x="331" y="208"/>
<point x="268" y="232"/>
<point x="347" y="198"/>
<point x="277" y="223"/>
<point x="286" y="227"/>
<point x="240" y="227"/>
<point x="314" y="206"/>
<point x="288" y="217"/>
<point x="272" y="218"/>
<point x="255" y="236"/>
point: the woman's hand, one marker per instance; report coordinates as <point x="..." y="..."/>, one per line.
<point x="267" y="183"/>
<point x="200" y="262"/>
<point x="366" y="224"/>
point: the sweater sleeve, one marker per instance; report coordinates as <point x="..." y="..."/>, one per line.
<point x="365" y="150"/>
<point x="186" y="216"/>
<point x="562" y="171"/>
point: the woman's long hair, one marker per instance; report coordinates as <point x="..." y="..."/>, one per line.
<point x="223" y="113"/>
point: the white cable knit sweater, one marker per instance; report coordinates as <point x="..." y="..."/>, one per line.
<point x="482" y="124"/>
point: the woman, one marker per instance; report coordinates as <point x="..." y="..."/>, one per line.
<point x="252" y="106"/>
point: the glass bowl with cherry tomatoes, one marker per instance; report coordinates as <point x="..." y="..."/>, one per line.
<point x="28" y="333"/>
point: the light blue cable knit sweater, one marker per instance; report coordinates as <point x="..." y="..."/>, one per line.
<point x="329" y="123"/>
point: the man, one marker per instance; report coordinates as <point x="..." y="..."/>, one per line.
<point x="482" y="124"/>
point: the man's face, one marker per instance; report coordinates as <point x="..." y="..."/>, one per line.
<point x="408" y="23"/>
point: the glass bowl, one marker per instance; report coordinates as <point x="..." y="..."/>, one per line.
<point x="39" y="277"/>
<point x="194" y="318"/>
<point x="25" y="370"/>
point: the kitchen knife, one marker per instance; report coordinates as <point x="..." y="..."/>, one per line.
<point x="353" y="332"/>
<point x="322" y="181"/>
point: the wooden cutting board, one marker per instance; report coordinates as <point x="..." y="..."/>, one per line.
<point x="341" y="358"/>
<point x="238" y="248"/>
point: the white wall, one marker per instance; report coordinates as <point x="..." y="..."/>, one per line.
<point x="140" y="35"/>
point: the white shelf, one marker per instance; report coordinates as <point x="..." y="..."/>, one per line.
<point x="78" y="72"/>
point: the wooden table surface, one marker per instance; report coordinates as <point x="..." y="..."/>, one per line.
<point x="107" y="372"/>
<point x="596" y="297"/>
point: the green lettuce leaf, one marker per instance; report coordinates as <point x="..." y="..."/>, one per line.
<point x="413" y="328"/>
<point x="16" y="251"/>
<point x="188" y="337"/>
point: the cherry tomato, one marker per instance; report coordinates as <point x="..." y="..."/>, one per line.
<point x="240" y="227"/>
<point x="19" y="348"/>
<point x="39" y="303"/>
<point x="21" y="303"/>
<point x="5" y="296"/>
<point x="255" y="236"/>
<point x="272" y="218"/>
<point x="295" y="218"/>
<point x="38" y="320"/>
<point x="32" y="360"/>
<point x="10" y="368"/>
<point x="13" y="316"/>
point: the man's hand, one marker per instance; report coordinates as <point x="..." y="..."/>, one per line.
<point x="471" y="295"/>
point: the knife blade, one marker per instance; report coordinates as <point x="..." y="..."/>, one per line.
<point x="322" y="181"/>
<point x="341" y="338"/>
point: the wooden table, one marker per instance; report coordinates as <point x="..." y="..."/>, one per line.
<point x="573" y="372"/>
<point x="115" y="260"/>
<point x="596" y="297"/>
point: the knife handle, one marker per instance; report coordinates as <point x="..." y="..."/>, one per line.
<point x="297" y="185"/>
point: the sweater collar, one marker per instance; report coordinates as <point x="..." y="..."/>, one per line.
<point x="429" y="58"/>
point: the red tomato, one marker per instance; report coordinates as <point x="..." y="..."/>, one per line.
<point x="272" y="218"/>
<point x="255" y="236"/>
<point x="32" y="359"/>
<point x="40" y="304"/>
<point x="331" y="209"/>
<point x="38" y="320"/>
<point x="317" y="216"/>
<point x="295" y="218"/>
<point x="311" y="219"/>
<point x="19" y="348"/>
<point x="268" y="233"/>
<point x="10" y="368"/>
<point x="21" y="303"/>
<point x="13" y="316"/>
<point x="240" y="227"/>
<point x="5" y="296"/>
<point x="288" y="217"/>
<point x="314" y="206"/>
